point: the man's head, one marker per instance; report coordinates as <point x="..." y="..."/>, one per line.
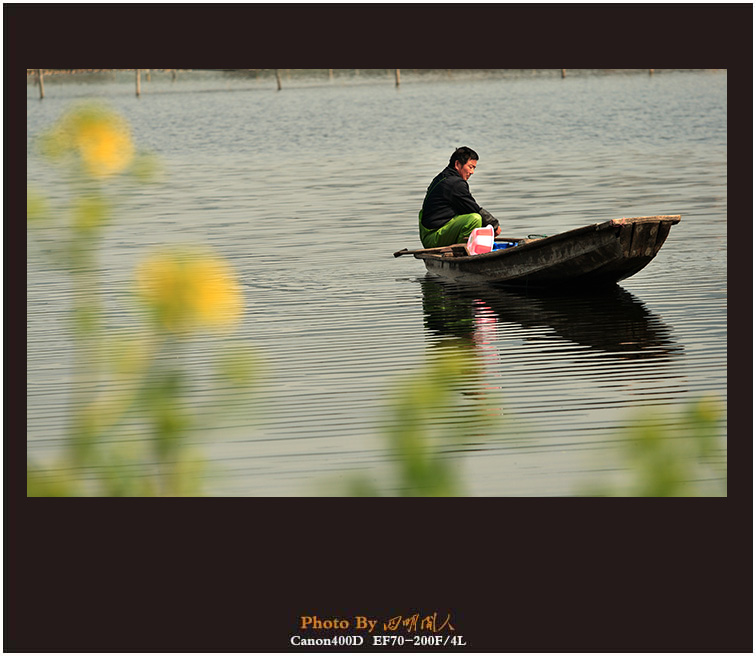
<point x="464" y="160"/>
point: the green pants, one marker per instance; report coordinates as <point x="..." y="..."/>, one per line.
<point x="456" y="231"/>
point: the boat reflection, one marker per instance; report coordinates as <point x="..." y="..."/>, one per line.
<point x="612" y="320"/>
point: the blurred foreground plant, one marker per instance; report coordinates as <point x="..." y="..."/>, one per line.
<point x="432" y="413"/>
<point x="93" y="138"/>
<point x="129" y="383"/>
<point x="440" y="408"/>
<point x="677" y="458"/>
<point x="187" y="290"/>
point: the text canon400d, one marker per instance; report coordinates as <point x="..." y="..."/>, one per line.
<point x="333" y="641"/>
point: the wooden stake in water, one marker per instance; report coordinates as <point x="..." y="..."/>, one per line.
<point x="138" y="82"/>
<point x="397" y="77"/>
<point x="278" y="79"/>
<point x="41" y="84"/>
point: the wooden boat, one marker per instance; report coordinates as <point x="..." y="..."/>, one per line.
<point x="598" y="254"/>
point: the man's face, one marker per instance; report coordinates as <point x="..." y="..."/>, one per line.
<point x="467" y="169"/>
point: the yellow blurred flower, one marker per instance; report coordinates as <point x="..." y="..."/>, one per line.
<point x="98" y="136"/>
<point x="105" y="146"/>
<point x="188" y="291"/>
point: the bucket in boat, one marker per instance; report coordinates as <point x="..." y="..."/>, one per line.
<point x="481" y="240"/>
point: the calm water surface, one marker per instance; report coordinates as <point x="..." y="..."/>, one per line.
<point x="310" y="190"/>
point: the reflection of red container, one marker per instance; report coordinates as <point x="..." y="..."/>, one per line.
<point x="481" y="240"/>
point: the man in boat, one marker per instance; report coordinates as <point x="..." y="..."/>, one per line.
<point x="449" y="212"/>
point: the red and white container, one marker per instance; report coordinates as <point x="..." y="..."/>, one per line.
<point x="481" y="240"/>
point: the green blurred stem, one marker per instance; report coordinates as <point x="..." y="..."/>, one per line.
<point x="88" y="216"/>
<point x="87" y="342"/>
<point x="165" y="386"/>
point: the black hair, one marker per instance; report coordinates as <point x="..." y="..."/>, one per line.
<point x="462" y="155"/>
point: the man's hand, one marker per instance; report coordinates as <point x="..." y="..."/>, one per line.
<point x="490" y="219"/>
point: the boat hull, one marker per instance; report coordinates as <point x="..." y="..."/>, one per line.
<point x="598" y="254"/>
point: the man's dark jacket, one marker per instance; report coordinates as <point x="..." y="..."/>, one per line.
<point x="447" y="196"/>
